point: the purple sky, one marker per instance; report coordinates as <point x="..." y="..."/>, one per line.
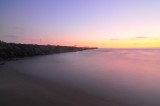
<point x="79" y="22"/>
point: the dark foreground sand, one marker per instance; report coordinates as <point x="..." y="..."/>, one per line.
<point x="19" y="89"/>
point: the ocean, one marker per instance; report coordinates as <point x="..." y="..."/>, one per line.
<point x="126" y="76"/>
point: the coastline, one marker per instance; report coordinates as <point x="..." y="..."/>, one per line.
<point x="19" y="89"/>
<point x="13" y="50"/>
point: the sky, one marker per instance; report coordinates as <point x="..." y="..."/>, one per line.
<point x="92" y="23"/>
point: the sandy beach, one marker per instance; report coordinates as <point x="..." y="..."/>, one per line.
<point x="19" y="89"/>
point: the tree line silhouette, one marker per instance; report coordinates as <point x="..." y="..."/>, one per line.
<point x="14" y="50"/>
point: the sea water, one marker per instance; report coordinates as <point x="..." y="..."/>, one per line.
<point x="127" y="76"/>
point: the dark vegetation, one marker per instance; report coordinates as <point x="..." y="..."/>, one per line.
<point x="13" y="50"/>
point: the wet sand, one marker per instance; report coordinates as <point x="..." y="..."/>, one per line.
<point x="19" y="89"/>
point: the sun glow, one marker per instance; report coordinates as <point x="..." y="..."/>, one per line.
<point x="138" y="42"/>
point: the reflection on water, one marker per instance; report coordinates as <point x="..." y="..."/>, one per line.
<point x="128" y="76"/>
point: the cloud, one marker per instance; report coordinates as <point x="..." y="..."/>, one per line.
<point x="12" y="36"/>
<point x="139" y="37"/>
<point x="144" y="38"/>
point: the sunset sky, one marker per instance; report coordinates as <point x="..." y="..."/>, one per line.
<point x="100" y="23"/>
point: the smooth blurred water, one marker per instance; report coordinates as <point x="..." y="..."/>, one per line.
<point x="127" y="76"/>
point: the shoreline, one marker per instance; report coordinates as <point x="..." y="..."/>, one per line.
<point x="14" y="50"/>
<point x="19" y="89"/>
